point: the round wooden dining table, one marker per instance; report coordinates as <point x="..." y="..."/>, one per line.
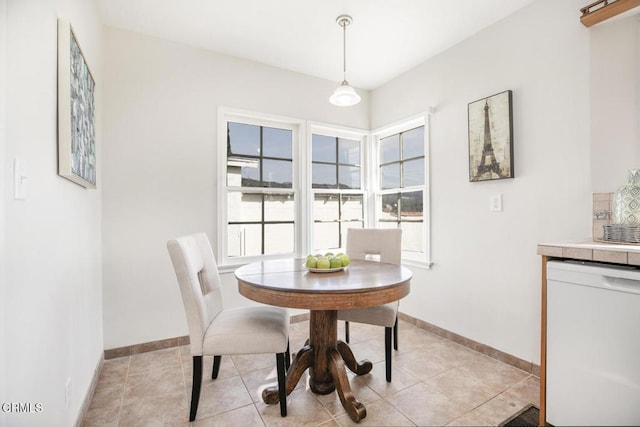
<point x="287" y="283"/>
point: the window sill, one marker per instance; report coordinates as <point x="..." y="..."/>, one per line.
<point x="425" y="265"/>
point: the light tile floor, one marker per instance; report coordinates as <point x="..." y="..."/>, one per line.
<point x="436" y="382"/>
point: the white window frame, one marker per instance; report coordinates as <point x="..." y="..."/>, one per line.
<point x="422" y="259"/>
<point x="226" y="115"/>
<point x="302" y="132"/>
<point x="339" y="132"/>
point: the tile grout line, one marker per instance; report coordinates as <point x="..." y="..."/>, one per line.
<point x="124" y="390"/>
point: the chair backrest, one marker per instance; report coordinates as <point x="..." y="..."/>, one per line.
<point x="384" y="242"/>
<point x="199" y="280"/>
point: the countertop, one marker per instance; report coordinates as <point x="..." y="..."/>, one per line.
<point x="592" y="251"/>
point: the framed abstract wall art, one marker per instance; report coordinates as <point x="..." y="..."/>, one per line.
<point x="491" y="138"/>
<point x="76" y="111"/>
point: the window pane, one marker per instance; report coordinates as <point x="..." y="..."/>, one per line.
<point x="325" y="207"/>
<point x="244" y="207"/>
<point x="413" y="172"/>
<point x="323" y="176"/>
<point x="243" y="171"/>
<point x="389" y="224"/>
<point x="277" y="173"/>
<point x="352" y="207"/>
<point x="243" y="139"/>
<point x="411" y="206"/>
<point x="276" y="142"/>
<point x="244" y="240"/>
<point x="413" y="143"/>
<point x="278" y="239"/>
<point x="279" y="207"/>
<point x="349" y="177"/>
<point x="323" y="148"/>
<point x="390" y="176"/>
<point x="390" y="149"/>
<point x="412" y="236"/>
<point x="389" y="207"/>
<point x="348" y="151"/>
<point x="327" y="235"/>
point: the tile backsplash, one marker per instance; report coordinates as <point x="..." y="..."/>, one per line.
<point x="602" y="204"/>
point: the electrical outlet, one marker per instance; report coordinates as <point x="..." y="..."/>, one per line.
<point x="495" y="203"/>
<point x="67" y="393"/>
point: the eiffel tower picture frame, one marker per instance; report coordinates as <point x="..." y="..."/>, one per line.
<point x="491" y="138"/>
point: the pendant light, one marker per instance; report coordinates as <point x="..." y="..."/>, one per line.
<point x="345" y="95"/>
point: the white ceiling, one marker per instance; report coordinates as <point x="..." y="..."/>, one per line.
<point x="387" y="37"/>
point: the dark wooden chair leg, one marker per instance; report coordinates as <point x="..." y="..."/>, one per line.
<point x="387" y="352"/>
<point x="282" y="386"/>
<point x="216" y="367"/>
<point x="195" y="388"/>
<point x="346" y="331"/>
<point x="395" y="334"/>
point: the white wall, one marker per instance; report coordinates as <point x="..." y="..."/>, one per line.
<point x="485" y="281"/>
<point x="615" y="72"/>
<point x="159" y="164"/>
<point x="52" y="296"/>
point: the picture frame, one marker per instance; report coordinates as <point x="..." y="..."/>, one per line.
<point x="490" y="125"/>
<point x="76" y="111"/>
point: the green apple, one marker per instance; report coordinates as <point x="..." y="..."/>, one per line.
<point x="345" y="260"/>
<point x="323" y="263"/>
<point x="335" y="262"/>
<point x="329" y="254"/>
<point x="312" y="262"/>
<point x="310" y="256"/>
<point x="339" y="254"/>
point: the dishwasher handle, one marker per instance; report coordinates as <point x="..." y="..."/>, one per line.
<point x="621" y="284"/>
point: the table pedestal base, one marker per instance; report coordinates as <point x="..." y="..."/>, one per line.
<point x="327" y="360"/>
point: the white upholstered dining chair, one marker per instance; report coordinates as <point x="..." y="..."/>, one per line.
<point x="384" y="245"/>
<point x="216" y="331"/>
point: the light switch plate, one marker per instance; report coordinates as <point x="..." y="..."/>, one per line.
<point x="19" y="179"/>
<point x="495" y="203"/>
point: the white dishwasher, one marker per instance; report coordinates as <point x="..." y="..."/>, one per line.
<point x="593" y="344"/>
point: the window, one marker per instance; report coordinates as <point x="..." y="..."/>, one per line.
<point x="259" y="189"/>
<point x="402" y="186"/>
<point x="287" y="187"/>
<point x="336" y="182"/>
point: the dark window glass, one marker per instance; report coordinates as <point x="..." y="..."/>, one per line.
<point x="323" y="148"/>
<point x="348" y="151"/>
<point x="244" y="139"/>
<point x="277" y="143"/>
<point x="390" y="176"/>
<point x="390" y="149"/>
<point x="413" y="143"/>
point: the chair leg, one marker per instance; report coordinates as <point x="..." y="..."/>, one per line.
<point x="195" y="388"/>
<point x="346" y="331"/>
<point x="282" y="386"/>
<point x="287" y="358"/>
<point x="216" y="367"/>
<point x="395" y="334"/>
<point x="387" y="352"/>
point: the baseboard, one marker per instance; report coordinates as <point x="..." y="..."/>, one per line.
<point x="474" y="345"/>
<point x="86" y="403"/>
<point x="459" y="339"/>
<point x="130" y="350"/>
<point x="114" y="353"/>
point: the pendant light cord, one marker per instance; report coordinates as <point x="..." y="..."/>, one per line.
<point x="344" y="50"/>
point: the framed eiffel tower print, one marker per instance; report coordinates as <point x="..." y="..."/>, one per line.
<point x="491" y="138"/>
